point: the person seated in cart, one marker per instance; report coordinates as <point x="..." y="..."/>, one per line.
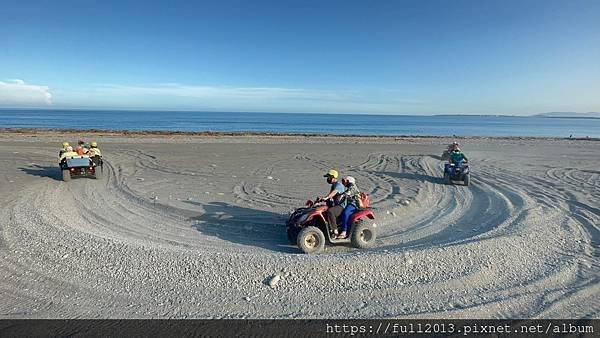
<point x="95" y="154"/>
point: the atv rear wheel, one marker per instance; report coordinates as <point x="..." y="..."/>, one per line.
<point x="66" y="175"/>
<point x="363" y="236"/>
<point x="311" y="240"/>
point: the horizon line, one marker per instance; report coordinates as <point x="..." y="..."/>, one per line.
<point x="281" y="112"/>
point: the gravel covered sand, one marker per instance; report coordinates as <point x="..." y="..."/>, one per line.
<point x="194" y="227"/>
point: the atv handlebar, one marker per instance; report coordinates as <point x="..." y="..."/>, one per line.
<point x="310" y="203"/>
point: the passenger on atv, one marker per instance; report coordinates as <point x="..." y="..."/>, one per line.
<point x="334" y="199"/>
<point x="352" y="196"/>
<point x="448" y="151"/>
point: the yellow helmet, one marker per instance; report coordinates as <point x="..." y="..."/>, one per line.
<point x="65" y="144"/>
<point x="332" y="173"/>
<point x="93" y="144"/>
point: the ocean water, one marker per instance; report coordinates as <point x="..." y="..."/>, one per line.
<point x="441" y="125"/>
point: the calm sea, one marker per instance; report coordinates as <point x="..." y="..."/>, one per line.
<point x="302" y="123"/>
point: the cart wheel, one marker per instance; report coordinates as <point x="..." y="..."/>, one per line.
<point x="66" y="175"/>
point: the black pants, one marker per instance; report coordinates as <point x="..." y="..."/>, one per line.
<point x="332" y="214"/>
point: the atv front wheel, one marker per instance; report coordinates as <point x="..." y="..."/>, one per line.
<point x="311" y="240"/>
<point x="363" y="236"/>
<point x="466" y="179"/>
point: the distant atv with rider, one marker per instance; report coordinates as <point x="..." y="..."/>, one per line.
<point x="457" y="168"/>
<point x="80" y="161"/>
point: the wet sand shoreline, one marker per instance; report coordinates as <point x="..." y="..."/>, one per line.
<point x="158" y="133"/>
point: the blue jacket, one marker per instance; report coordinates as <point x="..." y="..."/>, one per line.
<point x="457" y="157"/>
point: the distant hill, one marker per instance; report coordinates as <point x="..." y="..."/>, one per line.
<point x="570" y="114"/>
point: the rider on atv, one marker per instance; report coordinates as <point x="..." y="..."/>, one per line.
<point x="456" y="161"/>
<point x="334" y="199"/>
<point x="457" y="157"/>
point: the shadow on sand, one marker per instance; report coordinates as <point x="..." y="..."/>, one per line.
<point x="53" y="172"/>
<point x="243" y="226"/>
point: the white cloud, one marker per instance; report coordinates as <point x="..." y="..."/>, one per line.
<point x="15" y="92"/>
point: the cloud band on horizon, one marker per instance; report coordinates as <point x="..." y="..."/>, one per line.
<point x="15" y="92"/>
<point x="229" y="98"/>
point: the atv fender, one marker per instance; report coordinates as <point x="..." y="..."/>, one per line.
<point x="360" y="215"/>
<point x="314" y="214"/>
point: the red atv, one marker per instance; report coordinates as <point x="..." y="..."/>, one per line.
<point x="308" y="228"/>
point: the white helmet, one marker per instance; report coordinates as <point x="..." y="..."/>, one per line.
<point x="69" y="148"/>
<point x="350" y="179"/>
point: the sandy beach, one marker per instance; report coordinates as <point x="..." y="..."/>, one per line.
<point x="193" y="226"/>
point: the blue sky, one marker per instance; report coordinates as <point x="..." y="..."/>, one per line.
<point x="391" y="57"/>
